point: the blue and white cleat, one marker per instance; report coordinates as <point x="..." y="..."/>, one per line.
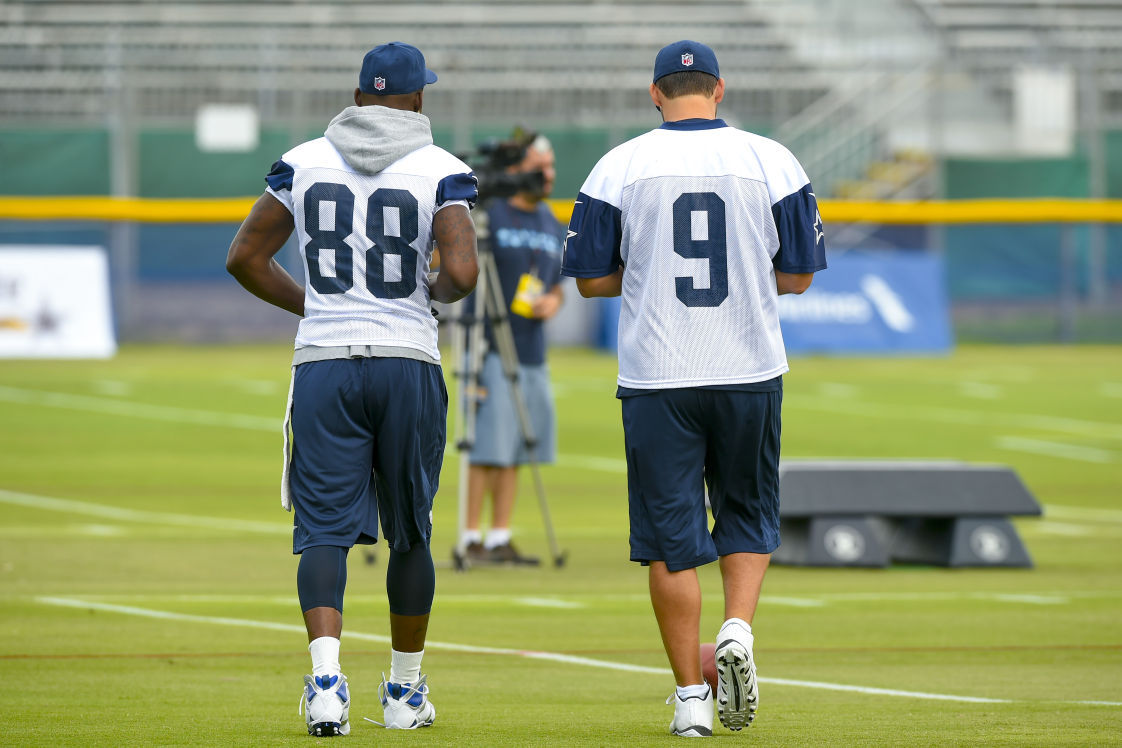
<point x="738" y="694"/>
<point x="326" y="704"/>
<point x="406" y="706"/>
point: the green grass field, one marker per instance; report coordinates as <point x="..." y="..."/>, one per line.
<point x="147" y="588"/>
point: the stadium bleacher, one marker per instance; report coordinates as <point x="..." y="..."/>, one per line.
<point x="884" y="99"/>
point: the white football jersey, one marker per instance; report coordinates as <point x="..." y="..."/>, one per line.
<point x="366" y="242"/>
<point x="699" y="215"/>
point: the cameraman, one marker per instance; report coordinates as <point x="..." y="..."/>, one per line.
<point x="526" y="241"/>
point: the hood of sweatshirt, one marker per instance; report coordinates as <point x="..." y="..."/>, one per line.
<point x="370" y="138"/>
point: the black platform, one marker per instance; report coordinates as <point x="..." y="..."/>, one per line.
<point x="871" y="513"/>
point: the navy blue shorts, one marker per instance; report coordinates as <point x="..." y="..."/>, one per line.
<point x="680" y="440"/>
<point x="367" y="444"/>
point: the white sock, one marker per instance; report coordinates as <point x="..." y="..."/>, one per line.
<point x="325" y="655"/>
<point x="699" y="691"/>
<point x="471" y="536"/>
<point x="497" y="536"/>
<point x="405" y="667"/>
<point x="737" y="622"/>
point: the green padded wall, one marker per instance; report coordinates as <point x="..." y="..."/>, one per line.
<point x="1046" y="177"/>
<point x="170" y="165"/>
<point x="54" y="161"/>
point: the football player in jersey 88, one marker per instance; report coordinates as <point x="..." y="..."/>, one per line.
<point x="368" y="406"/>
<point x="699" y="227"/>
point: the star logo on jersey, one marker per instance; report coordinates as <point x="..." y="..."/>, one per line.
<point x="380" y="84"/>
<point x="687" y="59"/>
<point x="818" y="233"/>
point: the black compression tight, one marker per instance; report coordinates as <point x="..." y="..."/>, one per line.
<point x="411" y="581"/>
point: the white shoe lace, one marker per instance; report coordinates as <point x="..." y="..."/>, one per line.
<point x="384" y="695"/>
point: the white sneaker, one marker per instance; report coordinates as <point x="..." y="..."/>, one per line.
<point x="693" y="717"/>
<point x="326" y="703"/>
<point x="406" y="705"/>
<point x="737" y="692"/>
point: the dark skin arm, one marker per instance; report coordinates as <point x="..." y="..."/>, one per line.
<point x="454" y="233"/>
<point x="792" y="282"/>
<point x="250" y="259"/>
<point x="605" y="285"/>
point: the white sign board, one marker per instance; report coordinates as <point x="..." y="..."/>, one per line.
<point x="227" y="128"/>
<point x="1044" y="111"/>
<point x="54" y="303"/>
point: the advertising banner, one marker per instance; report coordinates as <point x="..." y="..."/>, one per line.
<point x="871" y="302"/>
<point x="54" y="303"/>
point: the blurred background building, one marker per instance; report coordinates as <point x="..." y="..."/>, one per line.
<point x="879" y="99"/>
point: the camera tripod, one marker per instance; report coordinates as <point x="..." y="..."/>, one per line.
<point x="468" y="344"/>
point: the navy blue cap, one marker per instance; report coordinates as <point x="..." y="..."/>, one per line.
<point x="394" y="68"/>
<point x="685" y="55"/>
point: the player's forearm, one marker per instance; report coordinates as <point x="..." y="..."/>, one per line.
<point x="269" y="281"/>
<point x="792" y="282"/>
<point x="449" y="287"/>
<point x="606" y="285"/>
<point x="454" y="233"/>
<point x="250" y="260"/>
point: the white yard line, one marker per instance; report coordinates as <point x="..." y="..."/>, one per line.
<point x="981" y="390"/>
<point x="139" y="410"/>
<point x="137" y="515"/>
<point x="864" y="409"/>
<point x="1082" y="513"/>
<point x="531" y="654"/>
<point x="1030" y="599"/>
<point x="794" y="602"/>
<point x="111" y="387"/>
<point x="1058" y="450"/>
<point x="547" y="602"/>
<point x="1065" y="529"/>
<point x="197" y="417"/>
<point x="589" y="462"/>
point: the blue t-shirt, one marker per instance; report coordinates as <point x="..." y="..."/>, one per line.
<point x="524" y="242"/>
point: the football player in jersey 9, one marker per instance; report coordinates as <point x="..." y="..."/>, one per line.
<point x="367" y="407"/>
<point x="716" y="223"/>
<point x="525" y="241"/>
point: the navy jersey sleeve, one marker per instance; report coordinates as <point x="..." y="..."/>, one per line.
<point x="802" y="245"/>
<point x="456" y="187"/>
<point x="279" y="183"/>
<point x="592" y="249"/>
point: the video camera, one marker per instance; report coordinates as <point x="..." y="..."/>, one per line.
<point x="491" y="159"/>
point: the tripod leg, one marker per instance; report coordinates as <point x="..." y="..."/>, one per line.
<point x="467" y="344"/>
<point x="504" y="341"/>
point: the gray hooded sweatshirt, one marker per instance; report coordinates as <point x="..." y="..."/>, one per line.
<point x="370" y="138"/>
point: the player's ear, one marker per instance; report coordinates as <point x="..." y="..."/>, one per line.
<point x="419" y="101"/>
<point x="358" y="97"/>
<point x="656" y="97"/>
<point x="719" y="91"/>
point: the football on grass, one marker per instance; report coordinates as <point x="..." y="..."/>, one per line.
<point x="709" y="664"/>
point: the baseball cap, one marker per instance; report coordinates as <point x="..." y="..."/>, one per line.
<point x="394" y="68"/>
<point x="685" y="55"/>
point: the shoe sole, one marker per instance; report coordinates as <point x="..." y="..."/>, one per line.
<point x="328" y="730"/>
<point x="737" y="695"/>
